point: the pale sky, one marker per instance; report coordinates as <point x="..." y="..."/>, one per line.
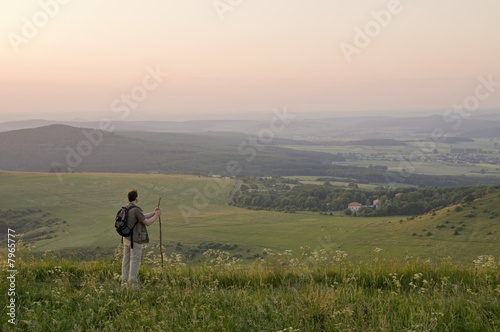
<point x="61" y="58"/>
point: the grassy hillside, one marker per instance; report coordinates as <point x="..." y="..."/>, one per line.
<point x="77" y="213"/>
<point x="473" y="225"/>
<point x="325" y="292"/>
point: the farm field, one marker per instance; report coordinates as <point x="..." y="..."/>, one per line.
<point x="309" y="179"/>
<point x="408" y="157"/>
<point x="428" y="167"/>
<point x="312" y="179"/>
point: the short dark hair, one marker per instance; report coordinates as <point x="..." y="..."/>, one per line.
<point x="132" y="195"/>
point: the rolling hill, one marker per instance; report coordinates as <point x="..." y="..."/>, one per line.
<point x="61" y="148"/>
<point x="76" y="215"/>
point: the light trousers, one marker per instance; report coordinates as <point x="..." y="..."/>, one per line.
<point x="130" y="263"/>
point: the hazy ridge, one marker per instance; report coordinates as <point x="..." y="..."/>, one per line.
<point x="302" y="127"/>
<point x="62" y="148"/>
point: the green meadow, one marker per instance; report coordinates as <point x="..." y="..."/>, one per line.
<point x="320" y="290"/>
<point x="233" y="269"/>
<point x="77" y="212"/>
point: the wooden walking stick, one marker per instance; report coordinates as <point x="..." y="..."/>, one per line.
<point x="161" y="246"/>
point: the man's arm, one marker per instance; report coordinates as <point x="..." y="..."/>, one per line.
<point x="150" y="214"/>
<point x="151" y="217"/>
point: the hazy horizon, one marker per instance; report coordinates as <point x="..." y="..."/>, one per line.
<point x="70" y="59"/>
<point x="260" y="116"/>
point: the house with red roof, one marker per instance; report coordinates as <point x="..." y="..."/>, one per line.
<point x="354" y="206"/>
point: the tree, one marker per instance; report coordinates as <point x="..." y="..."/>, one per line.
<point x="311" y="203"/>
<point x="469" y="198"/>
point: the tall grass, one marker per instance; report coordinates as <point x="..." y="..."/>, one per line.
<point x="307" y="291"/>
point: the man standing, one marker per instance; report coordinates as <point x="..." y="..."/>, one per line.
<point x="132" y="245"/>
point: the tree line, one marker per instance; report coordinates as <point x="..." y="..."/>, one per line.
<point x="284" y="195"/>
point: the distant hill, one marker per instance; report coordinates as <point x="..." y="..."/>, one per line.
<point x="148" y="126"/>
<point x="61" y="148"/>
<point x="301" y="127"/>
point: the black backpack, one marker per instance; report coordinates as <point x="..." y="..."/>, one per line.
<point x="121" y="224"/>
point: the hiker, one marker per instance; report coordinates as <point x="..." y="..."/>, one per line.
<point x="132" y="250"/>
